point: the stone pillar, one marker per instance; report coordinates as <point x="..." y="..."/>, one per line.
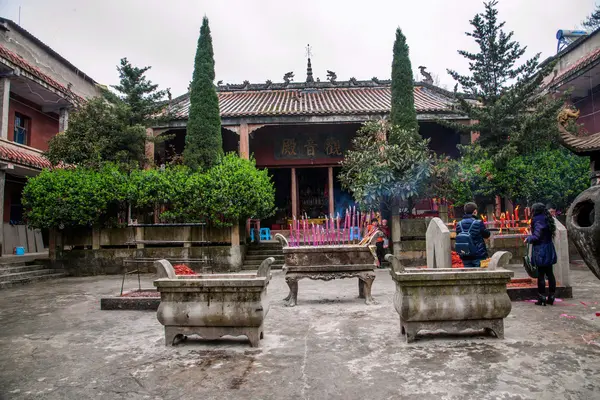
<point x="561" y="244"/>
<point x="56" y="244"/>
<point x="149" y="149"/>
<point x="139" y="236"/>
<point x="294" y="194"/>
<point x="489" y="212"/>
<point x="437" y="243"/>
<point x="443" y="212"/>
<point x="187" y="236"/>
<point x="331" y="197"/>
<point x="4" y="102"/>
<point x="396" y="233"/>
<point x="244" y="141"/>
<point x="498" y="206"/>
<point x="95" y="238"/>
<point x="63" y="119"/>
<point x="2" y="183"/>
<point x="235" y="253"/>
<point x="509" y="206"/>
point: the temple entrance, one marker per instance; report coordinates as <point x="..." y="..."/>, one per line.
<point x="313" y="192"/>
<point x="283" y="193"/>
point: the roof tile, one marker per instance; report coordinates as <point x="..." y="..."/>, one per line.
<point x="323" y="101"/>
<point x="14" y="154"/>
<point x="20" y="62"/>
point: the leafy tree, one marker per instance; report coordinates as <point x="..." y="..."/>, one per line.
<point x="592" y="22"/>
<point x="237" y="190"/>
<point x="377" y="172"/>
<point x="73" y="197"/>
<point x="111" y="128"/>
<point x="142" y="96"/>
<point x="554" y="176"/>
<point x="403" y="112"/>
<point x="550" y="176"/>
<point x="203" y="142"/>
<point x="509" y="107"/>
<point x="99" y="132"/>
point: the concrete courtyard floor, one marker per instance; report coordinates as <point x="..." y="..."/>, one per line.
<point x="56" y="343"/>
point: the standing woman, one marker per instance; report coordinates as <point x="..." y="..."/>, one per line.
<point x="544" y="253"/>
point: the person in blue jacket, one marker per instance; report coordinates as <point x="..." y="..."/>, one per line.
<point x="478" y="234"/>
<point x="543" y="254"/>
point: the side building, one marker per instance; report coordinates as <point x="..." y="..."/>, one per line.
<point x="38" y="87"/>
<point x="300" y="131"/>
<point x="577" y="74"/>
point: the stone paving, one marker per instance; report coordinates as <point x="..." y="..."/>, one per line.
<point x="55" y="343"/>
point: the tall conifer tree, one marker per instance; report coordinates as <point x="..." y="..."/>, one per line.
<point x="203" y="142"/>
<point x="403" y="112"/>
<point x="511" y="113"/>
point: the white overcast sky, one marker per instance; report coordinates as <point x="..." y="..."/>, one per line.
<point x="257" y="40"/>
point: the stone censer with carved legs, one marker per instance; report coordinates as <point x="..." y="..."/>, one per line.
<point x="328" y="262"/>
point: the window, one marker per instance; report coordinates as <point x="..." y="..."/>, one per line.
<point x="21" y="128"/>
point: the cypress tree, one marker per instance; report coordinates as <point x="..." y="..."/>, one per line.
<point x="403" y="112"/>
<point x="203" y="142"/>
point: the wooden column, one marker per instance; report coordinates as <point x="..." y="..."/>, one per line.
<point x="331" y="198"/>
<point x="244" y="141"/>
<point x="294" y="194"/>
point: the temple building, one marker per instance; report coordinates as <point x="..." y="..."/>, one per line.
<point x="577" y="74"/>
<point x="300" y="131"/>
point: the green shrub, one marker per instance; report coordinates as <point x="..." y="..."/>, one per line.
<point x="231" y="191"/>
<point x="74" y="197"/>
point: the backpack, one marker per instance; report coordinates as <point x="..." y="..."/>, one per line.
<point x="464" y="241"/>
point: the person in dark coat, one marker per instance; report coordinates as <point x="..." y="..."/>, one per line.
<point x="543" y="254"/>
<point x="478" y="234"/>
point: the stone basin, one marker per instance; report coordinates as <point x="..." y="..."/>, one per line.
<point x="450" y="299"/>
<point x="213" y="305"/>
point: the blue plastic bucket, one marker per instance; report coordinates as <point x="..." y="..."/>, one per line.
<point x="20" y="251"/>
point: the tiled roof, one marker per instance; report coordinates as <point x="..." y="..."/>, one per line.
<point x="14" y="154"/>
<point x="581" y="64"/>
<point x="579" y="144"/>
<point x="21" y="63"/>
<point x="295" y="99"/>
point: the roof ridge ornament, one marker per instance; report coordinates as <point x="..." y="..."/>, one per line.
<point x="309" y="73"/>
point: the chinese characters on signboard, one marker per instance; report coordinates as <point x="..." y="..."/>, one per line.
<point x="298" y="146"/>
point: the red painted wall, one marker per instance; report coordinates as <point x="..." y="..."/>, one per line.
<point x="42" y="127"/>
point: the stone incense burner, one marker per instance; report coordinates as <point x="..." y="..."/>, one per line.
<point x="583" y="217"/>
<point x="213" y="305"/>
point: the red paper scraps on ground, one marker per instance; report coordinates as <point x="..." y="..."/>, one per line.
<point x="456" y="261"/>
<point x="182" y="269"/>
<point x="568" y="316"/>
<point x="598" y="314"/>
<point x="522" y="283"/>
